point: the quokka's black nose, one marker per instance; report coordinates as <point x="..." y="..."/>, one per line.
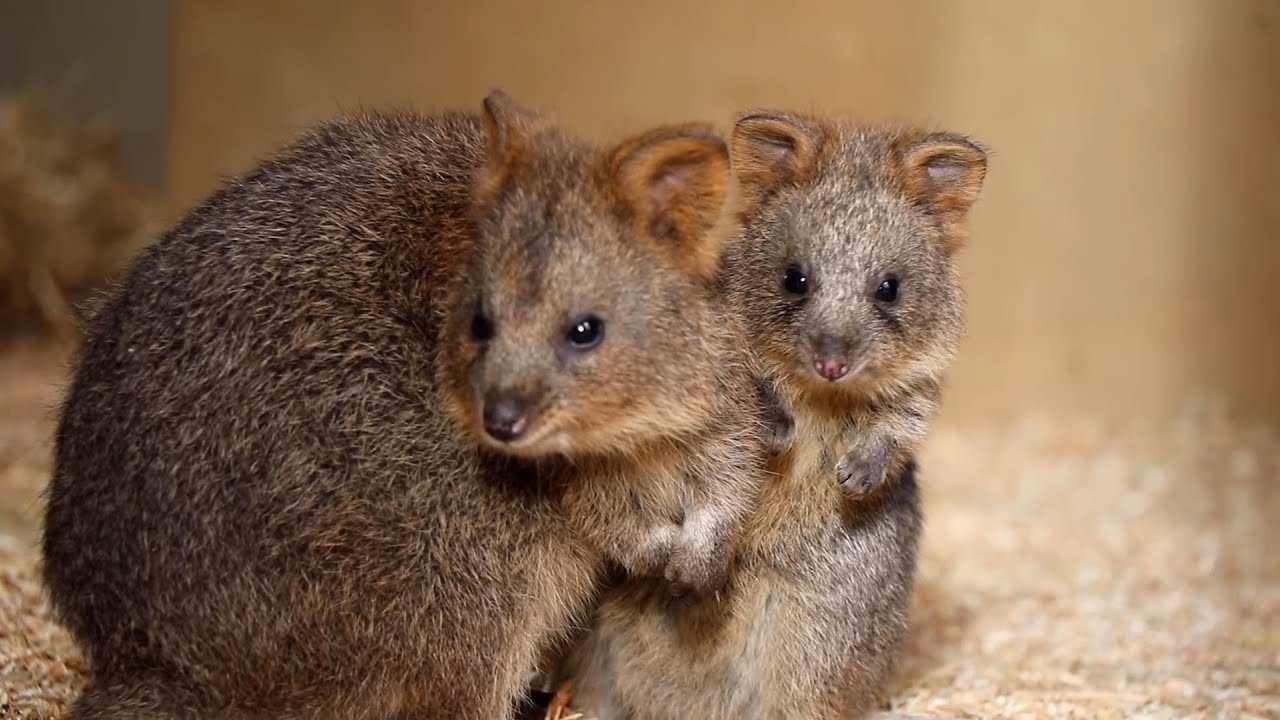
<point x="505" y="417"/>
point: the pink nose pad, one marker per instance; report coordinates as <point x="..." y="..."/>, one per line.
<point x="831" y="369"/>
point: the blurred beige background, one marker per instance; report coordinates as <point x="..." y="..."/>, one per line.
<point x="1126" y="253"/>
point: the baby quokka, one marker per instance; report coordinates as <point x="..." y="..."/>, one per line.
<point x="862" y="225"/>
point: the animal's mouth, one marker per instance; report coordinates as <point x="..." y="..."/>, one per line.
<point x="835" y="372"/>
<point x="857" y="381"/>
<point x="535" y="434"/>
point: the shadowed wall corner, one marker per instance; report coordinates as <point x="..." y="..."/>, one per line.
<point x="97" y="60"/>
<point x="1235" y="278"/>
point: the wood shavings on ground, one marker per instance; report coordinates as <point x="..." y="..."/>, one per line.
<point x="41" y="670"/>
<point x="1070" y="570"/>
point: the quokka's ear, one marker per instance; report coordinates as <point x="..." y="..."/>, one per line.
<point x="944" y="172"/>
<point x="673" y="183"/>
<point x="507" y="128"/>
<point x="771" y="149"/>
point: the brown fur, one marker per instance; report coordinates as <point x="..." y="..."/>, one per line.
<point x="816" y="609"/>
<point x="272" y="497"/>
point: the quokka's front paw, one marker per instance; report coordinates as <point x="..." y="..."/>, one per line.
<point x="861" y="473"/>
<point x="777" y="426"/>
<point x="697" y="571"/>
<point x="779" y="433"/>
<point x="654" y="555"/>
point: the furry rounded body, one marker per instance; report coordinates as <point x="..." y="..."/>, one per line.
<point x="263" y="502"/>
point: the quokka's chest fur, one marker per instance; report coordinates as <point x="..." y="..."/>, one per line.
<point x="801" y="498"/>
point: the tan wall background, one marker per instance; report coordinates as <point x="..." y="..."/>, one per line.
<point x="1126" y="253"/>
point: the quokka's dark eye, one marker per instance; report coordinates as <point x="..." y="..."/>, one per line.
<point x="586" y="333"/>
<point x="481" y="327"/>
<point x="887" y="291"/>
<point x="795" y="282"/>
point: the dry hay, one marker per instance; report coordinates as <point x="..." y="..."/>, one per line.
<point x="1069" y="571"/>
<point x="68" y="216"/>
<point x="40" y="669"/>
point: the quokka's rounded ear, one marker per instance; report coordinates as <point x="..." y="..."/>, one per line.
<point x="770" y="149"/>
<point x="673" y="183"/>
<point x="507" y="127"/>
<point x="948" y="170"/>
<point x="944" y="172"/>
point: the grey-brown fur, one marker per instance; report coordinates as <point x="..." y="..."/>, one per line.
<point x="853" y="207"/>
<point x="817" y="606"/>
<point x="271" y="497"/>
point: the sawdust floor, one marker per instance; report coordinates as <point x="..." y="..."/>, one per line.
<point x="1070" y="570"/>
